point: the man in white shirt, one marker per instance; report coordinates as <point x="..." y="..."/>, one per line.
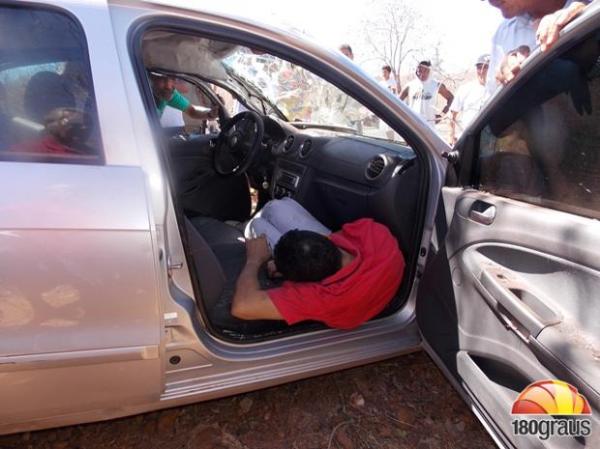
<point x="387" y="80"/>
<point x="528" y="23"/>
<point x="469" y="100"/>
<point x="421" y="94"/>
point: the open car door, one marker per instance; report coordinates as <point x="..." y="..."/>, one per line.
<point x="510" y="296"/>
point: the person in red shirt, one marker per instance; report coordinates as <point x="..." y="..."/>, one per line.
<point x="342" y="279"/>
<point x="65" y="133"/>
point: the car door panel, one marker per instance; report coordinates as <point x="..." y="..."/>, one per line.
<point x="523" y="305"/>
<point x="79" y="312"/>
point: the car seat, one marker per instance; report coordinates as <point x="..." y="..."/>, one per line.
<point x="218" y="252"/>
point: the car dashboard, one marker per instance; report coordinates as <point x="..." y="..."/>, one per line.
<point x="341" y="177"/>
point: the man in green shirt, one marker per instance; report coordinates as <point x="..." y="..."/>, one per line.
<point x="165" y="94"/>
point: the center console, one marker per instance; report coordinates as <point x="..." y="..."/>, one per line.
<point x="286" y="179"/>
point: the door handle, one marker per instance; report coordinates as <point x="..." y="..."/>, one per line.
<point x="515" y="299"/>
<point x="482" y="212"/>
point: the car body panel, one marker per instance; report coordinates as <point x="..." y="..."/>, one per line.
<point x="78" y="293"/>
<point x="136" y="308"/>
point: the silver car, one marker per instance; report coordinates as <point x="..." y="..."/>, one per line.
<point x="119" y="235"/>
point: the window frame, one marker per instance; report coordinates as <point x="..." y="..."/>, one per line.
<point x="469" y="163"/>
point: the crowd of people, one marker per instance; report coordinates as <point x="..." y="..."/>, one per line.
<point x="527" y="24"/>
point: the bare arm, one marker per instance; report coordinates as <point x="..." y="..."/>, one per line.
<point x="444" y="92"/>
<point x="404" y="93"/>
<point x="453" y="128"/>
<point x="249" y="301"/>
<point x="199" y="112"/>
<point x="550" y="25"/>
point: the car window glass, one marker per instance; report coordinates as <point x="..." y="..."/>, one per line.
<point x="256" y="80"/>
<point x="47" y="105"/>
<point x="303" y="96"/>
<point x="542" y="146"/>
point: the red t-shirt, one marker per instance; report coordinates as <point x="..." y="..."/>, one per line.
<point x="358" y="291"/>
<point x="44" y="145"/>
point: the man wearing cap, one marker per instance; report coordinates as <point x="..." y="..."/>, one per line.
<point x="469" y="100"/>
<point x="421" y="94"/>
<point x="528" y="23"/>
<point x="165" y="94"/>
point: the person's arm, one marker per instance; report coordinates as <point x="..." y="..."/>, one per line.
<point x="249" y="301"/>
<point x="404" y="94"/>
<point x="448" y="96"/>
<point x="199" y="112"/>
<point x="453" y="128"/>
<point x="180" y="102"/>
<point x="551" y="24"/>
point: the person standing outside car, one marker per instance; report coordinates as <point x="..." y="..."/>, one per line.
<point x="387" y="80"/>
<point x="165" y="94"/>
<point x="527" y="23"/>
<point x="346" y="50"/>
<point x="469" y="100"/>
<point x="421" y="95"/>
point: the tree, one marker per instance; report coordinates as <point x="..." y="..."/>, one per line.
<point x="393" y="31"/>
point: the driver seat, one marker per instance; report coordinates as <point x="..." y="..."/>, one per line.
<point x="218" y="252"/>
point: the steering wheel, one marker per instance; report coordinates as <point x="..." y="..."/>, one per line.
<point x="238" y="143"/>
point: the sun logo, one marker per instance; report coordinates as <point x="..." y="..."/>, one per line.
<point x="551" y="397"/>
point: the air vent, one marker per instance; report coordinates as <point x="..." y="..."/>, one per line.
<point x="305" y="148"/>
<point x="287" y="146"/>
<point x="375" y="167"/>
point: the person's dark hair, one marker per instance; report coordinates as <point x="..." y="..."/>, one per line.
<point x="306" y="256"/>
<point x="387" y="67"/>
<point x="426" y="63"/>
<point x="346" y="47"/>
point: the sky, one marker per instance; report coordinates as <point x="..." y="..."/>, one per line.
<point x="464" y="27"/>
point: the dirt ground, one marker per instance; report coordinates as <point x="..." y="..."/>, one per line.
<point x="400" y="403"/>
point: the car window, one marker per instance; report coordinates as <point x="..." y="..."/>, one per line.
<point x="303" y="96"/>
<point x="542" y="146"/>
<point x="47" y="106"/>
<point x="257" y="80"/>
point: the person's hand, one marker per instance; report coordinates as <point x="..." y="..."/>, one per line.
<point x="257" y="250"/>
<point x="213" y="113"/>
<point x="272" y="270"/>
<point x="549" y="28"/>
<point x="511" y="64"/>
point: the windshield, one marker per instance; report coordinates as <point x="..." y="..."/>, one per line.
<point x="279" y="88"/>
